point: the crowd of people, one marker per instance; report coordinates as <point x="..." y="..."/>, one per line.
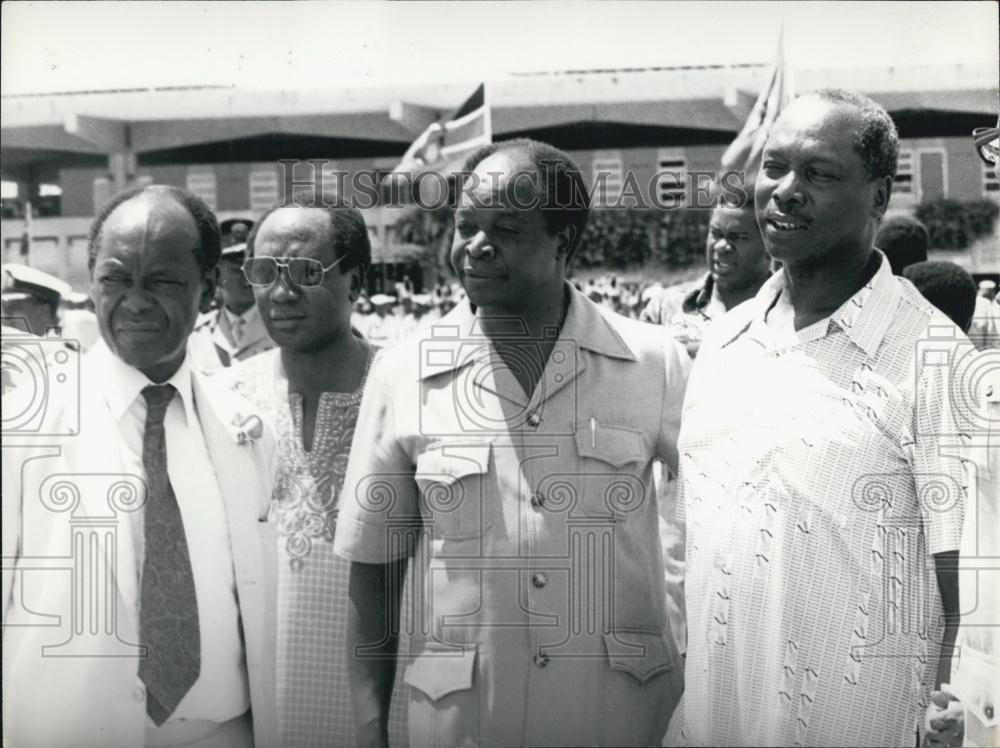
<point x="265" y="514"/>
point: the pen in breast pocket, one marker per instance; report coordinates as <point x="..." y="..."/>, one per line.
<point x="593" y="434"/>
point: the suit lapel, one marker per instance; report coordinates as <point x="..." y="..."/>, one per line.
<point x="222" y="335"/>
<point x="254" y="334"/>
<point x="246" y="490"/>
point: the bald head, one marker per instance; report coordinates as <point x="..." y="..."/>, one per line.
<point x="873" y="134"/>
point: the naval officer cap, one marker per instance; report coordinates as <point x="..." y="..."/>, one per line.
<point x="20" y="281"/>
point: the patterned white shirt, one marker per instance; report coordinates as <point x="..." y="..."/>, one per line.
<point x="815" y="494"/>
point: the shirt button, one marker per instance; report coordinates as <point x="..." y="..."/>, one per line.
<point x="539" y="579"/>
<point x="537" y="500"/>
<point x="534" y="420"/>
<point x="541" y="659"/>
<point x="139" y="693"/>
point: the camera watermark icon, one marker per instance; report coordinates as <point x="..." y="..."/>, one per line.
<point x="39" y="373"/>
<point x="486" y="398"/>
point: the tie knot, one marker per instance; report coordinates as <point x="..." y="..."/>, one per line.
<point x="157" y="397"/>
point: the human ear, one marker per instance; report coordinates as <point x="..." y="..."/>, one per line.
<point x="564" y="241"/>
<point x="883" y="192"/>
<point x="209" y="283"/>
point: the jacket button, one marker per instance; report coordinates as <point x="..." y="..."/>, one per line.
<point x="139" y="693"/>
<point x="539" y="579"/>
<point x="541" y="659"/>
<point x="537" y="500"/>
<point x="534" y="420"/>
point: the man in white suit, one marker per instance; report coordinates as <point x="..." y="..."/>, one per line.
<point x="136" y="579"/>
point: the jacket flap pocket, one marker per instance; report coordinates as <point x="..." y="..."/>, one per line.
<point x="438" y="673"/>
<point x="447" y="463"/>
<point x="615" y="445"/>
<point x="642" y="655"/>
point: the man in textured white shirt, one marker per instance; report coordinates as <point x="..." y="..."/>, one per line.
<point x="134" y="556"/>
<point x="823" y="520"/>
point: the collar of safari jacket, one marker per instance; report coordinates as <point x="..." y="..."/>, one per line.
<point x="457" y="339"/>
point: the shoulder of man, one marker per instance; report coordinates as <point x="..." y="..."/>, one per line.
<point x="231" y="408"/>
<point x="662" y="307"/>
<point x="649" y="343"/>
<point x="726" y="328"/>
<point x="207" y="321"/>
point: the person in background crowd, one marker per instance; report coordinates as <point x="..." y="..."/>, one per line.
<point x="30" y="299"/>
<point x="383" y="327"/>
<point x="738" y="266"/>
<point x="975" y="676"/>
<point x="948" y="287"/>
<point x="521" y="490"/>
<point x="173" y="646"/>
<point x="810" y="528"/>
<point x="307" y="266"/>
<point x="361" y="313"/>
<point x="235" y="331"/>
<point x="79" y="321"/>
<point x="422" y="313"/>
<point x="984" y="331"/>
<point x="904" y="241"/>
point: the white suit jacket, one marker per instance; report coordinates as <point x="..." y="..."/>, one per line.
<point x="70" y="583"/>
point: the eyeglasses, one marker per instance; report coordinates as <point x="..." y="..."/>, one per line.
<point x="302" y="271"/>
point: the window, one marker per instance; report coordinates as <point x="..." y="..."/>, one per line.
<point x="991" y="182"/>
<point x="331" y="182"/>
<point x="606" y="186"/>
<point x="671" y="177"/>
<point x="933" y="172"/>
<point x="263" y="187"/>
<point x="903" y="183"/>
<point x="201" y="182"/>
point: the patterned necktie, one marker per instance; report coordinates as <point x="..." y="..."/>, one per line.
<point x="168" y="609"/>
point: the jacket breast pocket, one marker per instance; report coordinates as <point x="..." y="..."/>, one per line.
<point x="641" y="654"/>
<point x="453" y="480"/>
<point x="612" y="445"/>
<point x="610" y="467"/>
<point x="444" y="704"/>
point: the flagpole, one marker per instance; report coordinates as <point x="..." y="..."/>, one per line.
<point x="488" y="114"/>
<point x="29" y="231"/>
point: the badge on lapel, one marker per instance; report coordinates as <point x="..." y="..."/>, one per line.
<point x="248" y="429"/>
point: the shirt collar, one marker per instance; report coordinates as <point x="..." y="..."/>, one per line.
<point x="865" y="317"/>
<point x="454" y="338"/>
<point x="247" y="316"/>
<point x="698" y="298"/>
<point x="123" y="384"/>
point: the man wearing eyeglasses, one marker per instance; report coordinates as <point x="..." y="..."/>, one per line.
<point x="134" y="582"/>
<point x="234" y="331"/>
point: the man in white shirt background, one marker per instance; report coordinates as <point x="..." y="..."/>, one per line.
<point x="134" y="603"/>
